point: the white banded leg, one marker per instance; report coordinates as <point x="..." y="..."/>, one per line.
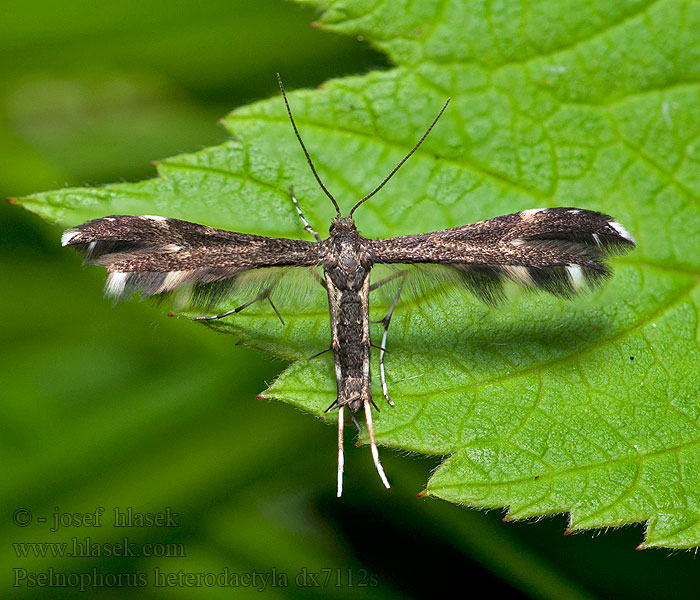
<point x="373" y="445"/>
<point x="264" y="295"/>
<point x="385" y="322"/>
<point x="341" y="455"/>
<point x="307" y="225"/>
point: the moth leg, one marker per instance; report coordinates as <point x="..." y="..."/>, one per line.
<point x="381" y="282"/>
<point x="373" y="445"/>
<point x="352" y="415"/>
<point x="307" y="225"/>
<point x="319" y="354"/>
<point x="262" y="296"/>
<point x="385" y="322"/>
<point x="320" y="279"/>
<point x="274" y="308"/>
<point x="355" y="423"/>
<point x="341" y="455"/>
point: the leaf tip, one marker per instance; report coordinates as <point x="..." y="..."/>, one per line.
<point x="11" y="200"/>
<point x="568" y="532"/>
<point x="422" y="494"/>
<point x="641" y="546"/>
<point x="314" y="24"/>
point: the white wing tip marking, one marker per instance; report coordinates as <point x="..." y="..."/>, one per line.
<point x="576" y="276"/>
<point x="520" y="274"/>
<point x="116" y="282"/>
<point x="622" y="231"/>
<point x="172" y="280"/>
<point x="68" y="235"/>
<point x="531" y="211"/>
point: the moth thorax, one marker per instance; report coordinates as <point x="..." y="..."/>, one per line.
<point x="348" y="260"/>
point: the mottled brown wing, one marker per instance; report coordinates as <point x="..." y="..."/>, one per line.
<point x="156" y="255"/>
<point x="559" y="250"/>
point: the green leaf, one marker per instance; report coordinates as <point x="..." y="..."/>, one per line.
<point x="588" y="407"/>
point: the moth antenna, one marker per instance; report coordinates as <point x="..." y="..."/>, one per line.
<point x="373" y="445"/>
<point x="341" y="457"/>
<point x="405" y="158"/>
<point x="303" y="147"/>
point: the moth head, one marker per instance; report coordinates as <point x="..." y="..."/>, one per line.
<point x="375" y="190"/>
<point x="342" y="225"/>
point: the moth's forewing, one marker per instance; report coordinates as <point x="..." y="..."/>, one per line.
<point x="562" y="251"/>
<point x="203" y="266"/>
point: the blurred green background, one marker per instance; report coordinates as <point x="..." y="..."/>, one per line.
<point x="118" y="406"/>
